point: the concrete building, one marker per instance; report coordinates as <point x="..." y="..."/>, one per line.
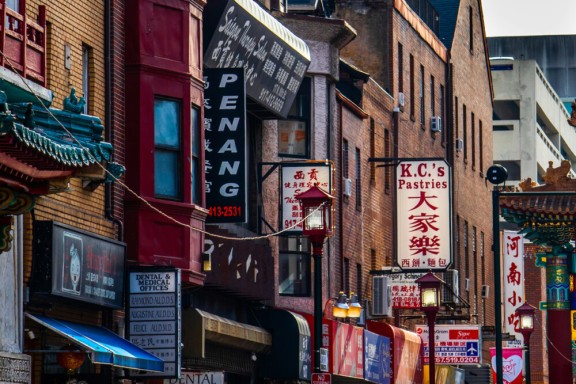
<point x="530" y="124"/>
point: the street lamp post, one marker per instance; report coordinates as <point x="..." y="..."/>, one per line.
<point x="525" y="313"/>
<point x="316" y="206"/>
<point x="430" y="303"/>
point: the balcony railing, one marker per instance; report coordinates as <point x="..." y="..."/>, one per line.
<point x="23" y="42"/>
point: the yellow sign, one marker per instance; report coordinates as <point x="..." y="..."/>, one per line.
<point x="573" y="324"/>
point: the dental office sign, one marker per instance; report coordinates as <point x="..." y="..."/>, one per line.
<point x="154" y="316"/>
<point x="224" y="145"/>
<point x="423" y="215"/>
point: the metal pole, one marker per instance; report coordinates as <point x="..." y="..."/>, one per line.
<point x="317" y="249"/>
<point x="431" y="316"/>
<point x="497" y="287"/>
<point x="527" y="357"/>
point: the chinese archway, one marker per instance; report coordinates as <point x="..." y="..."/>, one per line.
<point x="546" y="215"/>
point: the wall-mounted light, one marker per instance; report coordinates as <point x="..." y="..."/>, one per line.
<point x="340" y="310"/>
<point x="206" y="262"/>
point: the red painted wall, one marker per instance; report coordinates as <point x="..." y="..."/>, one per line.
<point x="163" y="58"/>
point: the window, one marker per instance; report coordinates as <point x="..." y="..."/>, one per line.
<point x="471" y="26"/>
<point x="387" y="153"/>
<point x="456" y="117"/>
<point x="294" y="275"/>
<point x="412" y="88"/>
<point x="473" y="137"/>
<point x="481" y="146"/>
<point x="372" y="151"/>
<point x="400" y="68"/>
<point x="464" y="133"/>
<point x="372" y="259"/>
<point x="359" y="281"/>
<point x="432" y="96"/>
<point x="14" y="5"/>
<point x="465" y="244"/>
<point x="86" y="60"/>
<point x="167" y="148"/>
<point x="422" y="104"/>
<point x="346" y="275"/>
<point x="442" y="111"/>
<point x="345" y="158"/>
<point x="196" y="148"/>
<point x="358" y="180"/>
<point x="294" y="131"/>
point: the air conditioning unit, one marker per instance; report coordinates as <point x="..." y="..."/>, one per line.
<point x="401" y="99"/>
<point x="466" y="284"/>
<point x="381" y="296"/>
<point x="451" y="290"/>
<point x="347" y="187"/>
<point x="485" y="291"/>
<point x="436" y="125"/>
<point x="459" y="145"/>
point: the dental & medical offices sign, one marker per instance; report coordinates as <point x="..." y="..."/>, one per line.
<point x="423" y="215"/>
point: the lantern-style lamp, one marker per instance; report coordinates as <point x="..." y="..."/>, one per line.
<point x="341" y="307"/>
<point x="355" y="310"/>
<point x="525" y="314"/>
<point x="316" y="206"/>
<point x="71" y="358"/>
<point x="430" y="303"/>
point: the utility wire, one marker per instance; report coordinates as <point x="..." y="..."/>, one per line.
<point x="133" y="192"/>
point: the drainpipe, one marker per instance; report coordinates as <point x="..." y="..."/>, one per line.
<point x="108" y="95"/>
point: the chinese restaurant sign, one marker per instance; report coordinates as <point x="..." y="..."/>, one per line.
<point x="454" y="344"/>
<point x="154" y="316"/>
<point x="298" y="178"/>
<point x="513" y="272"/>
<point x="274" y="68"/>
<point x="78" y="265"/>
<point x="224" y="145"/>
<point x="423" y="215"/>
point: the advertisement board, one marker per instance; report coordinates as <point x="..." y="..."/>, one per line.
<point x="512" y="364"/>
<point x="423" y="215"/>
<point x="78" y="265"/>
<point x="454" y="344"/>
<point x="513" y="281"/>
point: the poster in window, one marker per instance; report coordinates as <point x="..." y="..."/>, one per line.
<point x="71" y="263"/>
<point x="292" y="137"/>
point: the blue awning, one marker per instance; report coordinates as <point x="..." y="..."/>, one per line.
<point x="104" y="346"/>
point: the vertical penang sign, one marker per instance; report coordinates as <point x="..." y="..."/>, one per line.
<point x="225" y="145"/>
<point x="423" y="215"/>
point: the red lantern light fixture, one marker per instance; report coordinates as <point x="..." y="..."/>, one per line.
<point x="71" y="358"/>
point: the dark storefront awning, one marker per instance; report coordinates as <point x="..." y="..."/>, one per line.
<point x="104" y="346"/>
<point x="200" y="327"/>
<point x="291" y="348"/>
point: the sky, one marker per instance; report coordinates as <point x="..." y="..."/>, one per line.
<point x="529" y="17"/>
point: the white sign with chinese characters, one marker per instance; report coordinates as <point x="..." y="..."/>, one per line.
<point x="423" y="215"/>
<point x="404" y="290"/>
<point x="513" y="276"/>
<point x="298" y="178"/>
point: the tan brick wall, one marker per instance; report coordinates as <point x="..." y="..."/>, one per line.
<point x="75" y="24"/>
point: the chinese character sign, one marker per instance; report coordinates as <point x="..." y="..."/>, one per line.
<point x="298" y="178"/>
<point x="404" y="290"/>
<point x="423" y="215"/>
<point x="513" y="278"/>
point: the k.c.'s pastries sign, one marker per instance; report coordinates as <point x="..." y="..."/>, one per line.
<point x="78" y="265"/>
<point x="274" y="59"/>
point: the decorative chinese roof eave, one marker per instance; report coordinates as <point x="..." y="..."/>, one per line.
<point x="37" y="154"/>
<point x="546" y="213"/>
